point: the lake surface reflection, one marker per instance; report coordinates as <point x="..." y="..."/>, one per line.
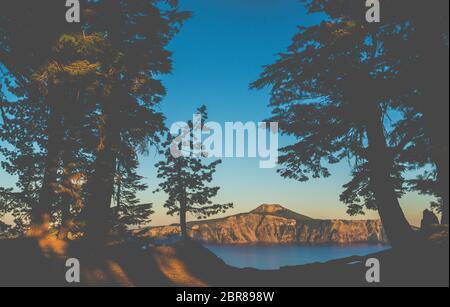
<point x="266" y="257"/>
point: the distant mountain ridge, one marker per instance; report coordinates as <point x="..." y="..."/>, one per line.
<point x="274" y="224"/>
<point x="280" y="211"/>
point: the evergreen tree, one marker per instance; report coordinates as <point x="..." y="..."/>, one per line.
<point x="327" y="91"/>
<point x="128" y="212"/>
<point x="139" y="32"/>
<point x="415" y="45"/>
<point x="46" y="125"/>
<point x="86" y="99"/>
<point x="422" y="58"/>
<point x="185" y="178"/>
<point x="24" y="50"/>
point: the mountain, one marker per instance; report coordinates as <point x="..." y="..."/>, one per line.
<point x="274" y="224"/>
<point x="280" y="211"/>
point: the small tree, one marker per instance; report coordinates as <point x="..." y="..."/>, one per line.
<point x="129" y="212"/>
<point x="185" y="180"/>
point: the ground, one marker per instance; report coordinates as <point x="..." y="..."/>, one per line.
<point x="32" y="262"/>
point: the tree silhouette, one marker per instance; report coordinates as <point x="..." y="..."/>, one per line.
<point x="423" y="78"/>
<point x="185" y="178"/>
<point x="415" y="45"/>
<point x="139" y="32"/>
<point x="128" y="212"/>
<point x="86" y="103"/>
<point x="25" y="51"/>
<point x="328" y="92"/>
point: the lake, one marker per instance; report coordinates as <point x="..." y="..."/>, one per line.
<point x="267" y="257"/>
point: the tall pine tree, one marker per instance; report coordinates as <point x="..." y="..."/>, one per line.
<point x="327" y="91"/>
<point x="186" y="176"/>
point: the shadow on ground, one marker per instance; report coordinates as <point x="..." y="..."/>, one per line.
<point x="29" y="262"/>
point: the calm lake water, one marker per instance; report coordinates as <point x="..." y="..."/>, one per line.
<point x="267" y="257"/>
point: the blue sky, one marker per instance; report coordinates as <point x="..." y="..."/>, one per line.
<point x="219" y="51"/>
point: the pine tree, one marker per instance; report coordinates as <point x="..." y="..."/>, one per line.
<point x="23" y="51"/>
<point x="139" y="34"/>
<point x="128" y="212"/>
<point x="185" y="178"/>
<point x="423" y="78"/>
<point x="415" y="46"/>
<point x="327" y="91"/>
<point x="87" y="98"/>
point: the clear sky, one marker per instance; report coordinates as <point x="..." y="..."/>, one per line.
<point x="219" y="51"/>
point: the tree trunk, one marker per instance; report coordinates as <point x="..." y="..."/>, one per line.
<point x="42" y="211"/>
<point x="183" y="223"/>
<point x="68" y="190"/>
<point x="101" y="181"/>
<point x="398" y="230"/>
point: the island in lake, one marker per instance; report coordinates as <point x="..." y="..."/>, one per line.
<point x="274" y="224"/>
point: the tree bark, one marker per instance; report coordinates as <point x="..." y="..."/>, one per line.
<point x="183" y="222"/>
<point x="101" y="181"/>
<point x="398" y="230"/>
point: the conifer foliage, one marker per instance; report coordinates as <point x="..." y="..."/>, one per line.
<point x="185" y="177"/>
